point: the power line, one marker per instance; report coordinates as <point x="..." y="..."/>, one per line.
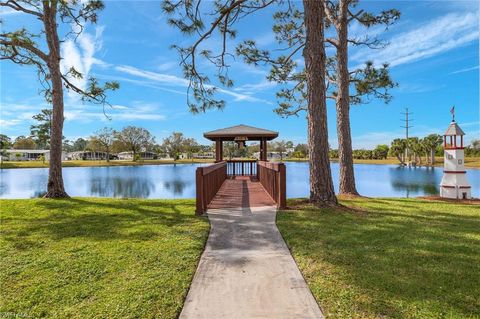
<point x="407" y="121"/>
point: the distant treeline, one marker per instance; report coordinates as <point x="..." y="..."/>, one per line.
<point x="418" y="150"/>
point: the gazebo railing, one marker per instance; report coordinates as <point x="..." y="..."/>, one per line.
<point x="208" y="180"/>
<point x="241" y="168"/>
<point x="272" y="176"/>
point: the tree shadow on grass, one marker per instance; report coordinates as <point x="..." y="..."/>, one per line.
<point x="398" y="254"/>
<point x="111" y="219"/>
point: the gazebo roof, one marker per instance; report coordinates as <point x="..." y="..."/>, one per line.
<point x="453" y="129"/>
<point x="250" y="132"/>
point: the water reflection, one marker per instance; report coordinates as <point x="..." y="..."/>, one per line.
<point x="178" y="181"/>
<point x="132" y="187"/>
<point x="176" y="186"/>
<point x="413" y="181"/>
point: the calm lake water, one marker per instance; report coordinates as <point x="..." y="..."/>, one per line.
<point x="178" y="181"/>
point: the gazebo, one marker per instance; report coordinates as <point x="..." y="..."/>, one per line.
<point x="240" y="183"/>
<point x="240" y="134"/>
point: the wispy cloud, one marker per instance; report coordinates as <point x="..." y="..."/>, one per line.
<point x="256" y="87"/>
<point x="420" y="88"/>
<point x="465" y="70"/>
<point x="7" y="11"/>
<point x="435" y="37"/>
<point x="166" y="66"/>
<point x="8" y="123"/>
<point x="265" y="39"/>
<point x="173" y="80"/>
<point x="80" y="113"/>
<point x="80" y="55"/>
<point x="138" y="110"/>
<point x="470" y="124"/>
<point x="153" y="76"/>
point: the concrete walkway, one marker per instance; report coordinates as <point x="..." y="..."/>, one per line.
<point x="247" y="271"/>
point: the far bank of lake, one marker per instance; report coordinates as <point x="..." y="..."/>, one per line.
<point x="470" y="162"/>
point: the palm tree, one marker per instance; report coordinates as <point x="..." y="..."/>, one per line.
<point x="417" y="147"/>
<point x="397" y="149"/>
<point x="432" y="141"/>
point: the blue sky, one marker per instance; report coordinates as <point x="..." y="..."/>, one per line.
<point x="433" y="52"/>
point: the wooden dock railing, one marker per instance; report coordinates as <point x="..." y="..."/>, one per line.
<point x="242" y="168"/>
<point x="208" y="180"/>
<point x="273" y="179"/>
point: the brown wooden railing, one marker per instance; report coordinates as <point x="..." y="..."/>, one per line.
<point x="242" y="168"/>
<point x="208" y="181"/>
<point x="273" y="179"/>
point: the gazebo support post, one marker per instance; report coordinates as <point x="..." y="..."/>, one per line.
<point x="218" y="150"/>
<point x="263" y="149"/>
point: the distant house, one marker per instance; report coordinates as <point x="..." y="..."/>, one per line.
<point x="87" y="155"/>
<point x="270" y="155"/>
<point x="128" y="156"/>
<point x="29" y="155"/>
<point x="204" y="155"/>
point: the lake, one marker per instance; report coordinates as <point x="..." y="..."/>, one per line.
<point x="178" y="181"/>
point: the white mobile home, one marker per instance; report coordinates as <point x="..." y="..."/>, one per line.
<point x="29" y="155"/>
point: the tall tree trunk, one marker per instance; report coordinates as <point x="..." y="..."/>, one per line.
<point x="55" y="188"/>
<point x="347" y="175"/>
<point x="432" y="155"/>
<point x="321" y="184"/>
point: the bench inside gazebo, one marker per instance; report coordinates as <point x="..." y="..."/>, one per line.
<point x="240" y="183"/>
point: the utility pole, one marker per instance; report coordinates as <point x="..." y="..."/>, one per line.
<point x="407" y="121"/>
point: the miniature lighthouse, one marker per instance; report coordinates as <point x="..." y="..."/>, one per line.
<point x="454" y="182"/>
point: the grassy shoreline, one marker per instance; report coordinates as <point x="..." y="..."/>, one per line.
<point x="135" y="258"/>
<point x="89" y="163"/>
<point x="98" y="258"/>
<point x="388" y="258"/>
<point x="470" y="162"/>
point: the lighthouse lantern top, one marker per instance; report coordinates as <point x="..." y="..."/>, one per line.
<point x="454" y="130"/>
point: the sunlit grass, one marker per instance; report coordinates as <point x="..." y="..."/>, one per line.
<point x="389" y="258"/>
<point x="90" y="163"/>
<point x="98" y="258"/>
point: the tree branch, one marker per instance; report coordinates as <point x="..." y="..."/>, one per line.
<point x="15" y="6"/>
<point x="25" y="45"/>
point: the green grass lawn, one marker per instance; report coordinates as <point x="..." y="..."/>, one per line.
<point x="395" y="258"/>
<point x="470" y="162"/>
<point x="98" y="258"/>
<point x="90" y="163"/>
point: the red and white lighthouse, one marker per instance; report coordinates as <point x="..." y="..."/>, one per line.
<point x="454" y="182"/>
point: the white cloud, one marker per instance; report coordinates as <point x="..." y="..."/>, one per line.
<point x="80" y="116"/>
<point x="172" y="80"/>
<point x="465" y="70"/>
<point x="7" y="11"/>
<point x="257" y="87"/>
<point x="266" y="39"/>
<point x="153" y="76"/>
<point x="166" y="66"/>
<point x="80" y="55"/>
<point x="470" y="124"/>
<point x="435" y="37"/>
<point x="8" y="123"/>
<point x="420" y="88"/>
<point x="138" y="110"/>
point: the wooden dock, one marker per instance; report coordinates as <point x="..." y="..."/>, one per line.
<point x="230" y="184"/>
<point x="241" y="191"/>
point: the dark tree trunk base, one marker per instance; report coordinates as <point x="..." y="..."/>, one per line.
<point x="349" y="193"/>
<point x="324" y="204"/>
<point x="57" y="194"/>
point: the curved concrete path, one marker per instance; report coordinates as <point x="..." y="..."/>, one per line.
<point x="247" y="271"/>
